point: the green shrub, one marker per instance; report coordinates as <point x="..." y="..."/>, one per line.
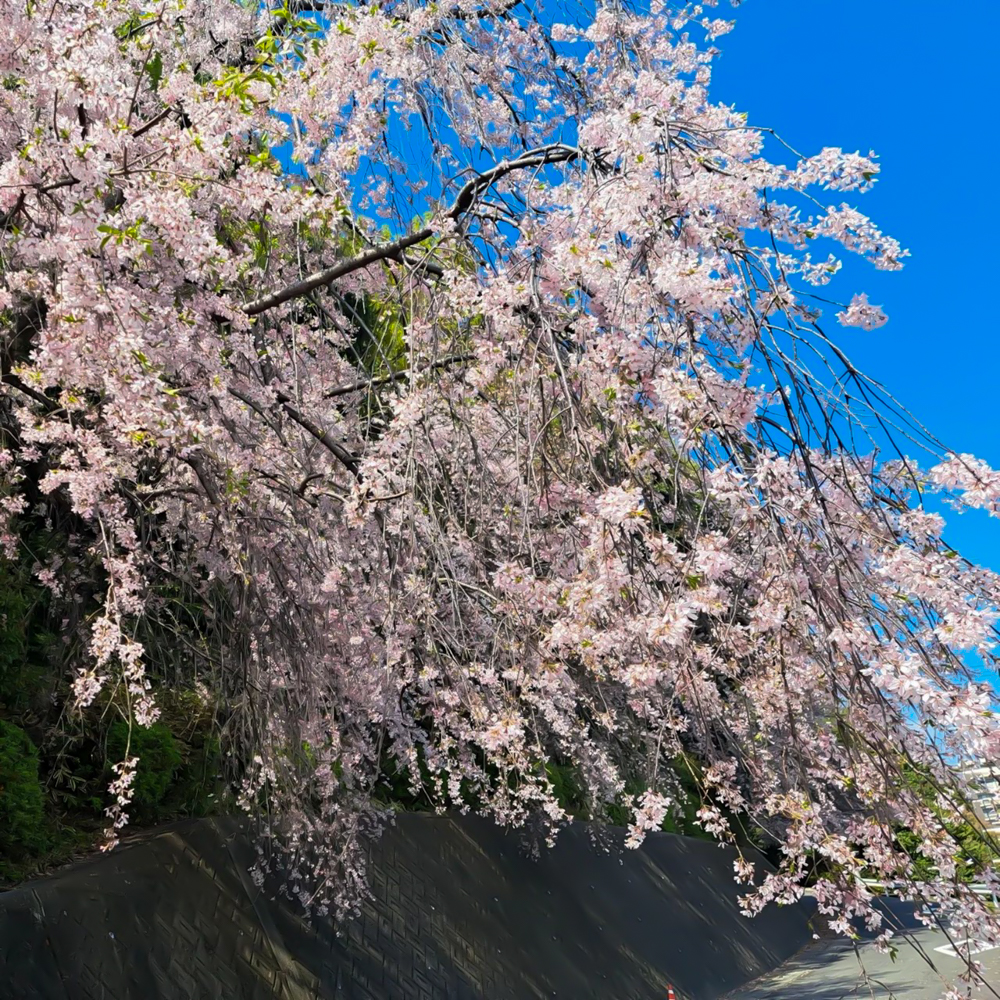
<point x="22" y="802"/>
<point x="683" y="817"/>
<point x="197" y="782"/>
<point x="975" y="850"/>
<point x="159" y="760"/>
<point x="568" y="789"/>
<point x="15" y="604"/>
<point x="20" y="613"/>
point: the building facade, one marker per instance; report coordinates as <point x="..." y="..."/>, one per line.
<point x="985" y="794"/>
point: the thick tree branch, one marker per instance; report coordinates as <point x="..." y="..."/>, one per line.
<point x="324" y="277"/>
<point x="556" y="153"/>
<point x="50" y="405"/>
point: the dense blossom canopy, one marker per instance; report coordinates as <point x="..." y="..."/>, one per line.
<point x="488" y="426"/>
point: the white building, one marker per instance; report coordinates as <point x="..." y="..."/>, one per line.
<point x="985" y="794"/>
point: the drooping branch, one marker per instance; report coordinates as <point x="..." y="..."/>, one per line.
<point x="323" y="437"/>
<point x="362" y="384"/>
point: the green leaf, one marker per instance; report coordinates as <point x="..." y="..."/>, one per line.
<point x="154" y="70"/>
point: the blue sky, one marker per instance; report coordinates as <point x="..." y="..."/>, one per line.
<point x="896" y="77"/>
<point x="920" y="89"/>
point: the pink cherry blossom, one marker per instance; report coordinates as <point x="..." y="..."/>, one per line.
<point x="474" y="437"/>
<point x="861" y="313"/>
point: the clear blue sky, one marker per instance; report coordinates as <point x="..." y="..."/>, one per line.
<point x="919" y="88"/>
<point x="918" y="83"/>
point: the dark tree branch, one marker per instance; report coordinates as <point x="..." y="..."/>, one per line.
<point x="335" y="448"/>
<point x="556" y="153"/>
<point x="8" y="217"/>
<point x="360" y="386"/>
<point x="152" y="123"/>
<point x="50" y="405"/>
<point x="324" y="277"/>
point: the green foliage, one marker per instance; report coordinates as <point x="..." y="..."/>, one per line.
<point x="15" y="603"/>
<point x="379" y="345"/>
<point x="973" y="855"/>
<point x="568" y="789"/>
<point x="683" y="820"/>
<point x="687" y="794"/>
<point x="619" y="812"/>
<point x="159" y="760"/>
<point x="179" y="758"/>
<point x="154" y="70"/>
<point x="21" y="637"/>
<point x="395" y="787"/>
<point x="22" y="802"/>
<point x="196" y="783"/>
<point x="74" y="771"/>
<point x="974" y="852"/>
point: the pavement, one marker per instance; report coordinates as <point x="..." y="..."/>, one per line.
<point x="924" y="966"/>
